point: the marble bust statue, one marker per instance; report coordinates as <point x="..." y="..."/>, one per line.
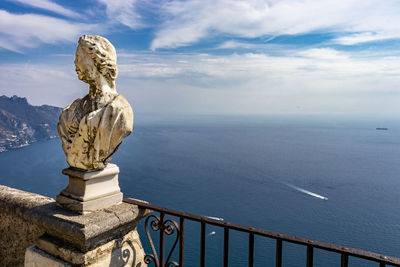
<point x="92" y="127"/>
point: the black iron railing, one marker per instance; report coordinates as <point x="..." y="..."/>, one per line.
<point x="168" y="227"/>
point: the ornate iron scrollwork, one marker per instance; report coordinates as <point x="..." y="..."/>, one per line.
<point x="167" y="227"/>
<point x="125" y="254"/>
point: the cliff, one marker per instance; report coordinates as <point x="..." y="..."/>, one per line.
<point x="22" y="124"/>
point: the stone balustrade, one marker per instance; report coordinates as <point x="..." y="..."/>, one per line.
<point x="36" y="231"/>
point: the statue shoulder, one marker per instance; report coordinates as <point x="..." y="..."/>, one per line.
<point x="76" y="105"/>
<point x="125" y="114"/>
<point x="121" y="103"/>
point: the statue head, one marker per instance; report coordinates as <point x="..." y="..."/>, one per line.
<point x="96" y="55"/>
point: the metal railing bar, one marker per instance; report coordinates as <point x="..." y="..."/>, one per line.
<point x="288" y="238"/>
<point x="310" y="256"/>
<point x="344" y="260"/>
<point x="251" y="250"/>
<point x="226" y="246"/>
<point x="203" y="244"/>
<point x="382" y="264"/>
<point x="181" y="242"/>
<point x="278" y="256"/>
<point x="162" y="240"/>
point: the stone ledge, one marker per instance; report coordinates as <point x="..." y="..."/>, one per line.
<point x="21" y="200"/>
<point x="16" y="228"/>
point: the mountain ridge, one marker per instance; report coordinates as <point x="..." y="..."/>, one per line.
<point x="22" y="124"/>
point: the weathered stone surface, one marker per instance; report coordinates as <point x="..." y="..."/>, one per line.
<point x="123" y="251"/>
<point x="92" y="127"/>
<point x="35" y="257"/>
<point x="17" y="232"/>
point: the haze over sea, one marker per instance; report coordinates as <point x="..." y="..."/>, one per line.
<point x="256" y="171"/>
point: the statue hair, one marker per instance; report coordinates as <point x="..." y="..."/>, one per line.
<point x="103" y="54"/>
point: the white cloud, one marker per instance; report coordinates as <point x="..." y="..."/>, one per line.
<point x="235" y="44"/>
<point x="122" y="11"/>
<point x="323" y="54"/>
<point x="321" y="62"/>
<point x="19" y="31"/>
<point x="363" y="37"/>
<point x="187" y="22"/>
<point x="50" y="6"/>
<point x="310" y="81"/>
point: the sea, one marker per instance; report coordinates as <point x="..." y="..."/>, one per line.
<point x="327" y="178"/>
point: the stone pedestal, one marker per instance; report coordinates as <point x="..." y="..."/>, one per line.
<point x="101" y="238"/>
<point x="90" y="190"/>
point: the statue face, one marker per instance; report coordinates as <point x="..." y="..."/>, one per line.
<point x="84" y="66"/>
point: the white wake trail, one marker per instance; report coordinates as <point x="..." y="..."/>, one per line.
<point x="305" y="191"/>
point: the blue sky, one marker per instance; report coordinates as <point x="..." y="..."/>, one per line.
<point x="212" y="57"/>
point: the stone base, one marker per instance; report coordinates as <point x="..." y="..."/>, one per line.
<point x="83" y="207"/>
<point x="124" y="251"/>
<point x="88" y="191"/>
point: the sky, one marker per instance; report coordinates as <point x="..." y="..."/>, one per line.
<point x="212" y="57"/>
